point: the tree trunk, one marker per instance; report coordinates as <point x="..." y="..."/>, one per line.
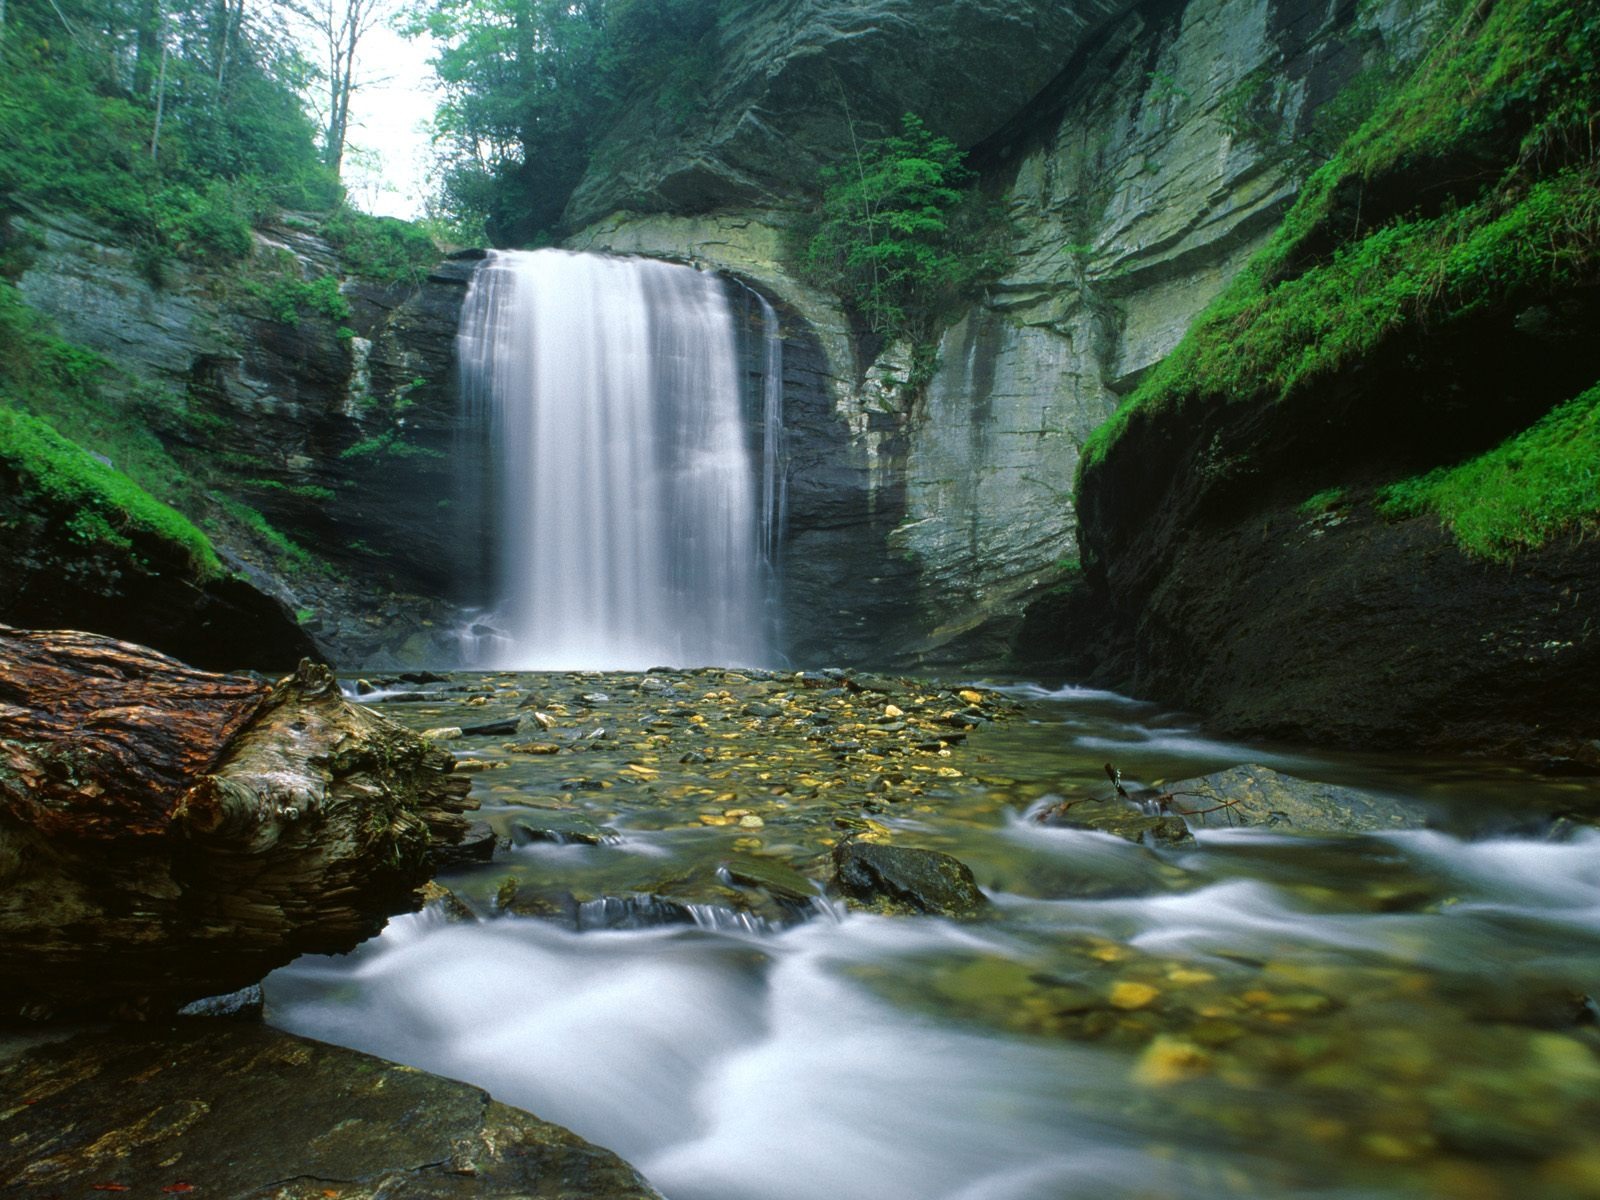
<point x="168" y="834"/>
<point x="147" y="46"/>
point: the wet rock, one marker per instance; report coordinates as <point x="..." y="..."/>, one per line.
<point x="249" y="1111"/>
<point x="904" y="879"/>
<point x="563" y="828"/>
<point x="440" y="899"/>
<point x="1257" y="796"/>
<point x="1119" y="818"/>
<point x="779" y="879"/>
<point x="763" y="710"/>
<point x="490" y="728"/>
<point x="245" y="1004"/>
<point x="477" y="846"/>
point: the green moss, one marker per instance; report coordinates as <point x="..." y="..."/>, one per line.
<point x="1323" y="501"/>
<point x="305" y="491"/>
<point x="1509" y="83"/>
<point x="1542" y="482"/>
<point x="89" y="402"/>
<point x="289" y="298"/>
<point x="290" y="552"/>
<point x="108" y="507"/>
<point x="390" y="444"/>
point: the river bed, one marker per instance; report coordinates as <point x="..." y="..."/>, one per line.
<point x="1257" y="1013"/>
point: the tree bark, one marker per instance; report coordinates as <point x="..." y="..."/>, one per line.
<point x="168" y="834"/>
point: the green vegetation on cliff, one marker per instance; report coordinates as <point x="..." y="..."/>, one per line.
<point x="899" y="234"/>
<point x="107" y="508"/>
<point x="1540" y="483"/>
<point x="1475" y="185"/>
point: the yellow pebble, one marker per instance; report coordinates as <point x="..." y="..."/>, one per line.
<point x="1129" y="995"/>
<point x="1168" y="1060"/>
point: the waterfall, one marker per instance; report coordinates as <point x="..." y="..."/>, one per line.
<point x="629" y="521"/>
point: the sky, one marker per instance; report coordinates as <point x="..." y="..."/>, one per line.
<point x="390" y="121"/>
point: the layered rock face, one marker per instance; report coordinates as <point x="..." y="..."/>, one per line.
<point x="340" y="433"/>
<point x="797" y="82"/>
<point x="1141" y="170"/>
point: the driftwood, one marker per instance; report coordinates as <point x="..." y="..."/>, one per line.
<point x="168" y="834"/>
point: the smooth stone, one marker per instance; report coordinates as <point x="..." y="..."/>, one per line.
<point x="563" y="828"/>
<point x="1121" y="819"/>
<point x="476" y="846"/>
<point x="249" y="1111"/>
<point x="905" y="879"/>
<point x="777" y="878"/>
<point x="762" y="710"/>
<point x="1258" y="796"/>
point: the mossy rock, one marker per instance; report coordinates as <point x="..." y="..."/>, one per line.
<point x="901" y="879"/>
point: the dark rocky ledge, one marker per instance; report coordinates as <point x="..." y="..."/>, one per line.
<point x="239" y="1110"/>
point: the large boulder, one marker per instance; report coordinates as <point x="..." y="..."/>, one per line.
<point x="244" y="1111"/>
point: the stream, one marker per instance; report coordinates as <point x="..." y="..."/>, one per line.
<point x="1259" y="1012"/>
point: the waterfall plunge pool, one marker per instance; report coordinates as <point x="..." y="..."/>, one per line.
<point x="1267" y="1014"/>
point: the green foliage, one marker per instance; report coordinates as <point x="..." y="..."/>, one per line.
<point x="290" y="552"/>
<point x="530" y="85"/>
<point x="78" y="124"/>
<point x="900" y="235"/>
<point x="83" y="397"/>
<point x="1324" y="501"/>
<point x="304" y="491"/>
<point x="1337" y="280"/>
<point x="289" y="297"/>
<point x="1540" y="483"/>
<point x="107" y="507"/>
<point x="389" y="444"/>
<point x="381" y="248"/>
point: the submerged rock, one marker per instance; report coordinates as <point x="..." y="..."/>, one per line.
<point x="564" y="828"/>
<point x="247" y="1111"/>
<point x="903" y="879"/>
<point x="1120" y="818"/>
<point x="1256" y="796"/>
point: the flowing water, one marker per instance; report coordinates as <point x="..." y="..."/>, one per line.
<point x="1261" y="1013"/>
<point x="633" y="516"/>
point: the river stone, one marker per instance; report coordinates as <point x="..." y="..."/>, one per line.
<point x="476" y="846"/>
<point x="902" y="879"/>
<point x="1259" y="797"/>
<point x="1120" y="819"/>
<point x="564" y="828"/>
<point x="249" y="1112"/>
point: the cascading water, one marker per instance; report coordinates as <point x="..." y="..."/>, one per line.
<point x="631" y="529"/>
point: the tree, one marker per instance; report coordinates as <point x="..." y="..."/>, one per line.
<point x="338" y="27"/>
<point x="529" y="86"/>
<point x="889" y="238"/>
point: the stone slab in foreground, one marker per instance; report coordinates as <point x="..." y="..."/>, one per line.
<point x="246" y="1112"/>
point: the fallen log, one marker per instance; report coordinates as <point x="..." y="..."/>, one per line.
<point x="168" y="834"/>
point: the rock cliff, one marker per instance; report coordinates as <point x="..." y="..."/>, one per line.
<point x="334" y="429"/>
<point x="1143" y="152"/>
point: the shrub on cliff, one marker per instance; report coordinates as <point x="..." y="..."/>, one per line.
<point x="899" y="233"/>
